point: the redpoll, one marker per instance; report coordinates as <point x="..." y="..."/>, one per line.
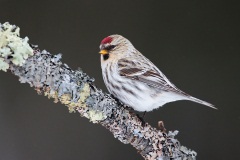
<point x="135" y="80"/>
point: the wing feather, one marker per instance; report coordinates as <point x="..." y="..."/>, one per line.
<point x="147" y="73"/>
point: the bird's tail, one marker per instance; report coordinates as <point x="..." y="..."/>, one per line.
<point x="201" y="102"/>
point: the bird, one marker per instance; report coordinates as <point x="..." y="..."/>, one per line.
<point x="134" y="80"/>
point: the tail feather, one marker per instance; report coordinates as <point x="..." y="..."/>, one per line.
<point x="201" y="102"/>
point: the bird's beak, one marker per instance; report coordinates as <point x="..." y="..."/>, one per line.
<point x="103" y="51"/>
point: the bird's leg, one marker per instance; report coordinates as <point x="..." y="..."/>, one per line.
<point x="144" y="114"/>
<point x="142" y="118"/>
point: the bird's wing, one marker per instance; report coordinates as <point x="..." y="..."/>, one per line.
<point x="146" y="72"/>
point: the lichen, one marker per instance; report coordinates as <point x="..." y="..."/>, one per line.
<point x="13" y="48"/>
<point x="3" y="65"/>
<point x="84" y="94"/>
<point x="5" y="52"/>
<point x="49" y="93"/>
<point x="96" y="116"/>
<point x="67" y="100"/>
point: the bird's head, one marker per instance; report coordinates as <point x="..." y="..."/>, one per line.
<point x="115" y="46"/>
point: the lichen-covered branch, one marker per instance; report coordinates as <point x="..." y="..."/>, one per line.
<point x="75" y="89"/>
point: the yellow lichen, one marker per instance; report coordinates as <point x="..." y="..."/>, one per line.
<point x="65" y="99"/>
<point x="84" y="95"/>
<point x="51" y="94"/>
<point x="55" y="96"/>
<point x="72" y="107"/>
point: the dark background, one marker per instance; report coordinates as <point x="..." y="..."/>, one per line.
<point x="195" y="43"/>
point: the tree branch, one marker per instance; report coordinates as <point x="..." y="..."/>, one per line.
<point x="75" y="89"/>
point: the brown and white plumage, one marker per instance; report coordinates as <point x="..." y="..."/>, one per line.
<point x="135" y="80"/>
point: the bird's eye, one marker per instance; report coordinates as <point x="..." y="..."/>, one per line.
<point x="110" y="47"/>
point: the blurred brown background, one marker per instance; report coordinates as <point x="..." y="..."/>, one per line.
<point x="195" y="43"/>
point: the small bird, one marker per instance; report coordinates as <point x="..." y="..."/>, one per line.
<point x="135" y="80"/>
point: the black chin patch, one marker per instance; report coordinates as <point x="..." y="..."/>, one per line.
<point x="105" y="56"/>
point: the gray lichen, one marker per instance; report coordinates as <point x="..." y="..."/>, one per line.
<point x="75" y="89"/>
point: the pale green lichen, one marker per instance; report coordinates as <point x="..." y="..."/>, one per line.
<point x="3" y="65"/>
<point x="96" y="116"/>
<point x="5" y="52"/>
<point x="21" y="51"/>
<point x="12" y="45"/>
